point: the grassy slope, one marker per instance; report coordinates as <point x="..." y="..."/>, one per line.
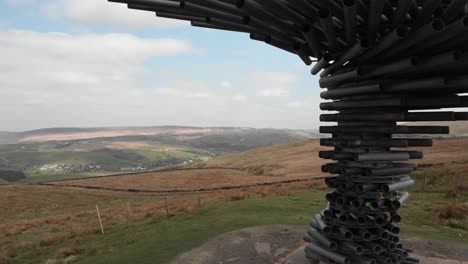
<point x="22" y="202"/>
<point x="150" y="241"/>
<point x="158" y="241"/>
<point x="48" y="176"/>
<point x="295" y="159"/>
<point x="117" y="148"/>
<point x="457" y="128"/>
<point x="110" y="160"/>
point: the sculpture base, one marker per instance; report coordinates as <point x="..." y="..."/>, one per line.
<point x="297" y="257"/>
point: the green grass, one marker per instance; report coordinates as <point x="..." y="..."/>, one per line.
<point x="158" y="241"/>
<point x="150" y="155"/>
<point x="22" y="159"/>
<point x="419" y="215"/>
<point x="2" y="181"/>
<point x="36" y="176"/>
<point x="180" y="154"/>
<point x="25" y="156"/>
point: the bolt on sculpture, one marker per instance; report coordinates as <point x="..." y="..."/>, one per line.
<point x="381" y="61"/>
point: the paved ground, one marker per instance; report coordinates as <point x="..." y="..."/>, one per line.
<point x="283" y="245"/>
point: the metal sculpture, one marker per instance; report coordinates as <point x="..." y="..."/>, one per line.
<point x="381" y="61"/>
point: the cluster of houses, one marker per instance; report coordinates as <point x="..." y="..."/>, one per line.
<point x="68" y="168"/>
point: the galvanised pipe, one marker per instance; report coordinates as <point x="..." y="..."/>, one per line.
<point x="350" y="20"/>
<point x="328" y="28"/>
<point x="414" y="61"/>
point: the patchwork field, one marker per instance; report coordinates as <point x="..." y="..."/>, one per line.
<point x="57" y="224"/>
<point x="269" y="164"/>
<point x="58" y="154"/>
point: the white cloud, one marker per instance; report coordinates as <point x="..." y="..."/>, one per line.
<point x="63" y="80"/>
<point x="273" y="84"/>
<point x="226" y="84"/>
<point x="240" y="98"/>
<point x="55" y="59"/>
<point x="47" y="76"/>
<point x="295" y="104"/>
<point x="101" y="12"/>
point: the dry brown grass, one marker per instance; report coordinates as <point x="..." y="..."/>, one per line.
<point x="72" y="225"/>
<point x="170" y="180"/>
<point x="70" y="213"/>
<point x="116" y="133"/>
<point x="51" y="239"/>
<point x="25" y="202"/>
<point x="457" y="189"/>
<point x="294" y="160"/>
<point x="237" y="196"/>
<point x="269" y="164"/>
<point x="454" y="215"/>
<point x="462" y="186"/>
<point x="445" y="151"/>
<point x="454" y="210"/>
<point x="65" y="252"/>
<point x="10" y="249"/>
<point x="75" y="225"/>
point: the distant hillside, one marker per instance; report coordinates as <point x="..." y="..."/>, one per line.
<point x="301" y="158"/>
<point x="293" y="160"/>
<point x="9" y="137"/>
<point x="457" y="128"/>
<point x="63" y="153"/>
<point x="67" y="134"/>
<point x="280" y="162"/>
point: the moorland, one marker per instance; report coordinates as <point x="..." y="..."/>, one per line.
<point x="158" y="215"/>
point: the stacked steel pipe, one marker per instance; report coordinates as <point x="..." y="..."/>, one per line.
<point x="382" y="62"/>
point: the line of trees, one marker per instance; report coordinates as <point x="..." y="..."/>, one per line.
<point x="11" y="175"/>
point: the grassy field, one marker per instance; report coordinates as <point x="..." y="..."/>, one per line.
<point x="294" y="160"/>
<point x="187" y="179"/>
<point x="111" y="157"/>
<point x="40" y="223"/>
<point x="35" y="176"/>
<point x="162" y="240"/>
<point x="129" y="149"/>
<point x="155" y="237"/>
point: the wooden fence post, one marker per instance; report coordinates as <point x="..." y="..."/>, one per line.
<point x="128" y="212"/>
<point x="99" y="217"/>
<point x="425" y="180"/>
<point x="167" y="208"/>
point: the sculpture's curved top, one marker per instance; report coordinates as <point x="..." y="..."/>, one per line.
<point x="381" y="61"/>
<point x="331" y="30"/>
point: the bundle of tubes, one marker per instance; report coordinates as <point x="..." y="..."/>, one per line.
<point x="383" y="63"/>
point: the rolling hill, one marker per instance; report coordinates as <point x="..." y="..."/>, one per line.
<point x="276" y="163"/>
<point x="457" y="128"/>
<point x="66" y="153"/>
<point x="58" y="222"/>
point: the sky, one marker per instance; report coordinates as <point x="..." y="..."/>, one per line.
<point x="91" y="63"/>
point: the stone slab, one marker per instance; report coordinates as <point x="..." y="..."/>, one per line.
<point x="298" y="257"/>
